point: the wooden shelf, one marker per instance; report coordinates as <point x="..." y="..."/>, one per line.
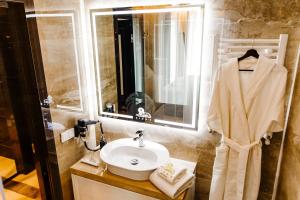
<point x="100" y="174"/>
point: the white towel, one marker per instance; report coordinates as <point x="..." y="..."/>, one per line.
<point x="171" y="173"/>
<point x="176" y="189"/>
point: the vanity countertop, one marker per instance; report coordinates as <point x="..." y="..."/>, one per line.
<point x="100" y="174"/>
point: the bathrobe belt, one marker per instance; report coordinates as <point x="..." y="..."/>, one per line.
<point x="243" y="151"/>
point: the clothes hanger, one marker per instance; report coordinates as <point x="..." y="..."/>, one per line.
<point x="251" y="52"/>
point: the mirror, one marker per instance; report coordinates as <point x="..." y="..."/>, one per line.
<point x="148" y="63"/>
<point x="58" y="39"/>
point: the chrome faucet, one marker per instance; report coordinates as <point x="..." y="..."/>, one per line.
<point x="140" y="137"/>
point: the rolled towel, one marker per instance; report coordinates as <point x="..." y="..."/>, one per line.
<point x="171" y="173"/>
<point x="172" y="190"/>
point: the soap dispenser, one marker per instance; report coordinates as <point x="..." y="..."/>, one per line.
<point x="102" y="139"/>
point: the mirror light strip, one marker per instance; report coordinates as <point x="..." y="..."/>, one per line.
<point x="47" y="15"/>
<point x="96" y="51"/>
<point x="159" y="10"/>
<point x="117" y="115"/>
<point x="174" y="123"/>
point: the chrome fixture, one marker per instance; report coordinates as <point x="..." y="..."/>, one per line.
<point x="140" y="137"/>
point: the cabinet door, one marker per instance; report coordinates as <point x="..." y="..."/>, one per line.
<point x="88" y="189"/>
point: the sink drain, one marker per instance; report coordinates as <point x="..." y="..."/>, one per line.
<point x="134" y="161"/>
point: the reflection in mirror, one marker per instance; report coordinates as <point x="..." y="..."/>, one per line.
<point x="148" y="63"/>
<point x="60" y="56"/>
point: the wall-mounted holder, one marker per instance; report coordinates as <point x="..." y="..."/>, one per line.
<point x="227" y="48"/>
<point x="81" y="132"/>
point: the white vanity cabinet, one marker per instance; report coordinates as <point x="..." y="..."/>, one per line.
<point x="95" y="183"/>
<point x="89" y="189"/>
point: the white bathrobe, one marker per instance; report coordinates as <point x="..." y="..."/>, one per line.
<point x="244" y="106"/>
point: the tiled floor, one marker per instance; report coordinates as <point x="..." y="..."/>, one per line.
<point x="22" y="187"/>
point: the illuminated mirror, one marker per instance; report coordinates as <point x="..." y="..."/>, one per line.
<point x="148" y="63"/>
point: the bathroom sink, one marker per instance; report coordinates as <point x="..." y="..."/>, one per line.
<point x="125" y="158"/>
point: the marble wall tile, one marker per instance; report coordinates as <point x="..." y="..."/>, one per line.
<point x="67" y="153"/>
<point x="243" y="19"/>
<point x="268" y="19"/>
<point x="290" y="171"/>
<point x="56" y="5"/>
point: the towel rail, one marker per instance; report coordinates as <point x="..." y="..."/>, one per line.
<point x="226" y="48"/>
<point x="250" y="47"/>
<point x="287" y="115"/>
<point x="239" y="53"/>
<point x="266" y="41"/>
<point x="230" y="47"/>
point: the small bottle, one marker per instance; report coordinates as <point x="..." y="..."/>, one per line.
<point x="102" y="139"/>
<point x="109" y="107"/>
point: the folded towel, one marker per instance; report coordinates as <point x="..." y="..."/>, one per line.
<point x="171" y="173"/>
<point x="176" y="189"/>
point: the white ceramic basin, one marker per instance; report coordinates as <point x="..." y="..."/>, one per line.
<point x="125" y="158"/>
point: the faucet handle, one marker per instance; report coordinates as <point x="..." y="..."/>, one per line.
<point x="140" y="132"/>
<point x="140" y="137"/>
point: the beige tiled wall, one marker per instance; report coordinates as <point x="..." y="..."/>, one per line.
<point x="68" y="153"/>
<point x="268" y="19"/>
<point x="245" y="19"/>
